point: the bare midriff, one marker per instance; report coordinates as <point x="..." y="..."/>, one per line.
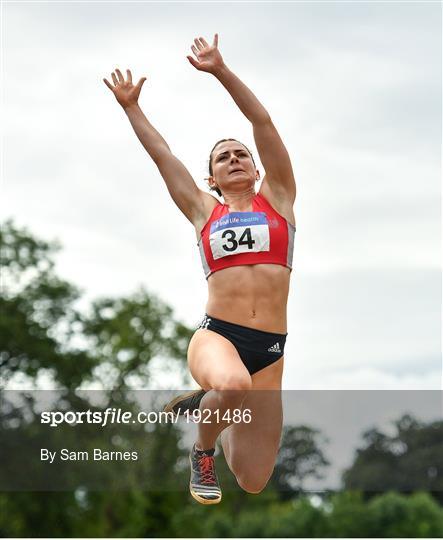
<point x="255" y="296"/>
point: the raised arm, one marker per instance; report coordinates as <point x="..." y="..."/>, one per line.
<point x="187" y="196"/>
<point x="272" y="151"/>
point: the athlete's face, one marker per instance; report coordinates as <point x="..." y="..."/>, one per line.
<point x="232" y="167"/>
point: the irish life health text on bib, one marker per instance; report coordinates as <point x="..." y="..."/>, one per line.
<point x="239" y="232"/>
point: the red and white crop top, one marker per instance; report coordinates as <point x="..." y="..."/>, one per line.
<point x="262" y="236"/>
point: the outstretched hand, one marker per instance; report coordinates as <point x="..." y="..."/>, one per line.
<point x="124" y="91"/>
<point x="208" y="57"/>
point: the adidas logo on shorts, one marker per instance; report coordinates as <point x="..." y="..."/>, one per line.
<point x="275" y="348"/>
<point x="205" y="322"/>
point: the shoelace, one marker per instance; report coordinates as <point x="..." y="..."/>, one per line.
<point x="207" y="469"/>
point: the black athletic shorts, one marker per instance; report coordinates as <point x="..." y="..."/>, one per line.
<point x="256" y="348"/>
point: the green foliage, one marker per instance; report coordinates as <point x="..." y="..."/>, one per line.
<point x="410" y="460"/>
<point x="348" y="516"/>
<point x="394" y="515"/>
<point x="42" y="332"/>
<point x="173" y="514"/>
<point x="342" y="515"/>
<point x="300" y="457"/>
<point x="36" y="313"/>
<point x="49" y="514"/>
<point x="125" y="334"/>
<point x="296" y="519"/>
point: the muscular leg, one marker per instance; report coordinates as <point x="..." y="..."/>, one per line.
<point x="252" y="463"/>
<point x="217" y="367"/>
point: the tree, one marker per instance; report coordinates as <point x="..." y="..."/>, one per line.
<point x="299" y="458"/>
<point x="348" y="516"/>
<point x="37" y="318"/>
<point x="395" y="515"/>
<point x="410" y="460"/>
<point x="42" y="333"/>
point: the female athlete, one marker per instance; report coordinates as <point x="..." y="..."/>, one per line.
<point x="246" y="248"/>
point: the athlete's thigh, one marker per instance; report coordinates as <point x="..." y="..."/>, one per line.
<point x="264" y="401"/>
<point x="213" y="359"/>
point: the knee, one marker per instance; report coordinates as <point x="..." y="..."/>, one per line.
<point x="253" y="484"/>
<point x="232" y="390"/>
<point x="234" y="382"/>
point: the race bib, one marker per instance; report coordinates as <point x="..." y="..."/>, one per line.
<point x="239" y="232"/>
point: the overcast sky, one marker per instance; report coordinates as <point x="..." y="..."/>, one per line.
<point x="355" y="91"/>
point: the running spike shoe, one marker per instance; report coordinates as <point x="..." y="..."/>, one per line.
<point x="190" y="401"/>
<point x="204" y="485"/>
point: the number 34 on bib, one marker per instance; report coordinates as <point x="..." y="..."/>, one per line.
<point x="239" y="232"/>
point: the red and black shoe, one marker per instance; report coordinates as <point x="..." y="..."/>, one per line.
<point x="190" y="401"/>
<point x="204" y="485"/>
